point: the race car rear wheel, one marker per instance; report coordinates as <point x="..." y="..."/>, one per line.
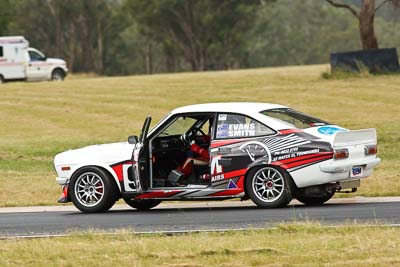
<point x="269" y="187"/>
<point x="315" y="200"/>
<point x="92" y="190"/>
<point x="143" y="204"/>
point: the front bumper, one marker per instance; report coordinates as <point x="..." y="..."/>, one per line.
<point x="62" y="180"/>
<point x="341" y="167"/>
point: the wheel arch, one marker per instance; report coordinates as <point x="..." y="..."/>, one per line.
<point x="261" y="165"/>
<point x="106" y="169"/>
<point x="57" y="68"/>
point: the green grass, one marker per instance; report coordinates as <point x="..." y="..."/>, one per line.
<point x="304" y="244"/>
<point x="39" y="120"/>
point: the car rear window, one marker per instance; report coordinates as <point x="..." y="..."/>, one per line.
<point x="295" y="118"/>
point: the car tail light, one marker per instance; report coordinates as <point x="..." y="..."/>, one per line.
<point x="341" y="154"/>
<point x="371" y="149"/>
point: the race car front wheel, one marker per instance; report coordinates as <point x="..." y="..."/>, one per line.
<point x="92" y="190"/>
<point x="143" y="204"/>
<point x="269" y="187"/>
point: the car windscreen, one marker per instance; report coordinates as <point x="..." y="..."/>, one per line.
<point x="179" y="126"/>
<point x="295" y="118"/>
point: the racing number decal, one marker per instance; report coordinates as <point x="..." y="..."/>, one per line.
<point x="129" y="181"/>
<point x="123" y="170"/>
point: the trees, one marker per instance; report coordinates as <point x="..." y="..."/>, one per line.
<point x="7" y="9"/>
<point x="365" y="16"/>
<point x="208" y="33"/>
<point x="123" y="37"/>
<point x="77" y="30"/>
<point x="291" y="32"/>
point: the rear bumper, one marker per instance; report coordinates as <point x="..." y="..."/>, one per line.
<point x="342" y="167"/>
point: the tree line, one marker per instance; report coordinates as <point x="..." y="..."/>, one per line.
<point x="121" y="37"/>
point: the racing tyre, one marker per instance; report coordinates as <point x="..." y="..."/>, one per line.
<point x="58" y="75"/>
<point x="315" y="200"/>
<point x="92" y="190"/>
<point x="144" y="204"/>
<point x="269" y="187"/>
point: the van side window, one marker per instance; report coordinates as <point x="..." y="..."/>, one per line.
<point x="238" y="126"/>
<point x="1" y="51"/>
<point x="35" y="56"/>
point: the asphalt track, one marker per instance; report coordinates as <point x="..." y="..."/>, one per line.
<point x="182" y="217"/>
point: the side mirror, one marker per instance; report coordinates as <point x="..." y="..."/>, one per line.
<point x="133" y="139"/>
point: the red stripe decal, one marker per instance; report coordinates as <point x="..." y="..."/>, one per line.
<point x="289" y="131"/>
<point x="299" y="163"/>
<point x="156" y="194"/>
<point x="118" y="172"/>
<point x="215" y="144"/>
<point x="235" y="173"/>
<point x="303" y="157"/>
<point x="228" y="192"/>
<point x="240" y="182"/>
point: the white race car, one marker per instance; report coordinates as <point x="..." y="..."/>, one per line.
<point x="264" y="152"/>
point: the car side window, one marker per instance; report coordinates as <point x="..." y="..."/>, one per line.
<point x="238" y="126"/>
<point x="1" y="51"/>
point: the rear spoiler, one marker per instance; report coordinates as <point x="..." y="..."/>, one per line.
<point x="357" y="137"/>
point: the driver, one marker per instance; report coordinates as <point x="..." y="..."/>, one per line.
<point x="197" y="155"/>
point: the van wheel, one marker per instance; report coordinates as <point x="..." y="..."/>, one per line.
<point x="144" y="204"/>
<point x="1" y="79"/>
<point x="58" y="75"/>
<point x="92" y="190"/>
<point x="269" y="187"/>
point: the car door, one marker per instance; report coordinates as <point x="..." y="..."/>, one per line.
<point x="37" y="67"/>
<point x="140" y="159"/>
<point x="237" y="143"/>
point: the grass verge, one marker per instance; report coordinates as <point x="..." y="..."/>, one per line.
<point x="41" y="119"/>
<point x="303" y="244"/>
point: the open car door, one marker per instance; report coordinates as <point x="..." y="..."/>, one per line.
<point x="140" y="159"/>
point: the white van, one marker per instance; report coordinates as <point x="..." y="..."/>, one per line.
<point x="18" y="61"/>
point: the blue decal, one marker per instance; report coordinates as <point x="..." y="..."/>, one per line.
<point x="222" y="131"/>
<point x="329" y="130"/>
<point x="232" y="185"/>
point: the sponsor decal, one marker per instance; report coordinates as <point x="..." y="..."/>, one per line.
<point x="286" y="151"/>
<point x="255" y="149"/>
<point x="222" y="117"/>
<point x="222" y="130"/>
<point x="216" y="169"/>
<point x="231" y="184"/>
<point x="293" y="153"/>
<point x="217" y="177"/>
<point x="329" y="130"/>
<point x="235" y="130"/>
